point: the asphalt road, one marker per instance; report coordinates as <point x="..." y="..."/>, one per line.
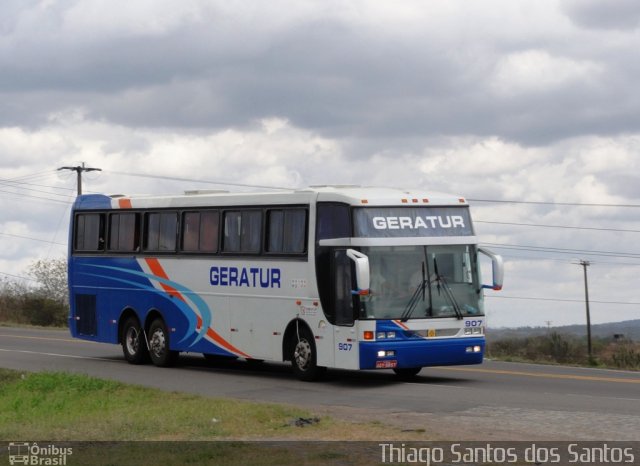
<point x="495" y="400"/>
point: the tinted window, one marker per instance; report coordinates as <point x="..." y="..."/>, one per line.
<point x="333" y="221"/>
<point x="161" y="231"/>
<point x="242" y="231"/>
<point x="200" y="231"/>
<point x="286" y="231"/>
<point x="89" y="232"/>
<point x="123" y="232"/>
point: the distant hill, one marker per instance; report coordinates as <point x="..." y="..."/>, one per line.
<point x="629" y="328"/>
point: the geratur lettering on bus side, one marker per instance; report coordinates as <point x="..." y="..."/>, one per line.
<point x="251" y="277"/>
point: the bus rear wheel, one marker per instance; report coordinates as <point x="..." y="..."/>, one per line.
<point x="407" y="372"/>
<point x="133" y="341"/>
<point x="159" y="345"/>
<point x="304" y="357"/>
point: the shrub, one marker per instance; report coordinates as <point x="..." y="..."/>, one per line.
<point x="40" y="310"/>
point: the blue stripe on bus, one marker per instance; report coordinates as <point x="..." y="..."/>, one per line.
<point x="137" y="292"/>
<point x="189" y="313"/>
<point x="92" y="201"/>
<point x="423" y="352"/>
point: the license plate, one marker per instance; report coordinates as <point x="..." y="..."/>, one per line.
<point x="386" y="364"/>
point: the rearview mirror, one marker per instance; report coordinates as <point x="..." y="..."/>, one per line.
<point x="362" y="271"/>
<point x="497" y="266"/>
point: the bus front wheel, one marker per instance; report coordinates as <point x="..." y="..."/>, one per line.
<point x="159" y="345"/>
<point x="304" y="357"/>
<point x="133" y="341"/>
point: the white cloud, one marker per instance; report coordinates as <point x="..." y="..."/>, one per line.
<point x="532" y="101"/>
<point x="537" y="71"/>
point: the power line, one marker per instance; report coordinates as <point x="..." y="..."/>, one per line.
<point x="17" y="184"/>
<point x="18" y="276"/>
<point x="563" y="250"/>
<point x="617" y="230"/>
<point x="31" y="176"/>
<point x="567" y="261"/>
<point x="572" y="204"/>
<point x="30" y="196"/>
<point x="536" y="298"/>
<point x="31" y="238"/>
<point x="218" y="182"/>
<point x="32" y="190"/>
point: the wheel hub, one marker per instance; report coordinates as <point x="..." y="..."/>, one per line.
<point x="157" y="342"/>
<point x="132" y="340"/>
<point x="302" y="354"/>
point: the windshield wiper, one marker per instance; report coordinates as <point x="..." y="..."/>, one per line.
<point x="415" y="298"/>
<point x="447" y="291"/>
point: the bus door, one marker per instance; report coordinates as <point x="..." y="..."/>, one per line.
<point x="344" y="302"/>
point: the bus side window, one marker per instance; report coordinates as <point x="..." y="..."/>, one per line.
<point x="209" y="231"/>
<point x="286" y="231"/>
<point x="89" y="232"/>
<point x="242" y="231"/>
<point x="160" y="231"/>
<point x="343" y="300"/>
<point x="191" y="231"/>
<point x="200" y="231"/>
<point x="124" y="233"/>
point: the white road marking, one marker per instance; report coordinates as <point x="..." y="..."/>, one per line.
<point x="72" y="356"/>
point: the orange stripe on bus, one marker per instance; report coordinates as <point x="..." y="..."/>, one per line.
<point x="125" y="203"/>
<point x="400" y="324"/>
<point x="222" y="342"/>
<point x="158" y="271"/>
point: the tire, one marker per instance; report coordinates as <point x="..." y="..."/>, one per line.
<point x="303" y="356"/>
<point x="159" y="351"/>
<point x="134" y="346"/>
<point x="407" y="372"/>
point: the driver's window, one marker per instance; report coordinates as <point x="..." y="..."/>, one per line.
<point x="343" y="300"/>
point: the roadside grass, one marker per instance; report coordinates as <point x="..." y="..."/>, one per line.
<point x="123" y="424"/>
<point x="60" y="406"/>
<point x="75" y="407"/>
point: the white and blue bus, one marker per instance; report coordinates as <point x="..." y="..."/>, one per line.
<point x="334" y="276"/>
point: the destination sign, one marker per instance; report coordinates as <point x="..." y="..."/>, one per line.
<point x="395" y="222"/>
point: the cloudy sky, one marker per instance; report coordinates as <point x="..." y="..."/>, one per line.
<point x="532" y="102"/>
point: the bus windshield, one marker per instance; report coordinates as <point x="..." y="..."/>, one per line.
<point x="421" y="282"/>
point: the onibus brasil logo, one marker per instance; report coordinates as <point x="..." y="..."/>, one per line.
<point x="34" y="454"/>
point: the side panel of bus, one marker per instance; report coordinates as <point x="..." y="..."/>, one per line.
<point x="226" y="307"/>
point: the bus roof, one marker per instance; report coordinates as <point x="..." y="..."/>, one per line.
<point x="352" y="195"/>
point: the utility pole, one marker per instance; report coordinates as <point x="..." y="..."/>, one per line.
<point x="584" y="265"/>
<point x="79" y="170"/>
